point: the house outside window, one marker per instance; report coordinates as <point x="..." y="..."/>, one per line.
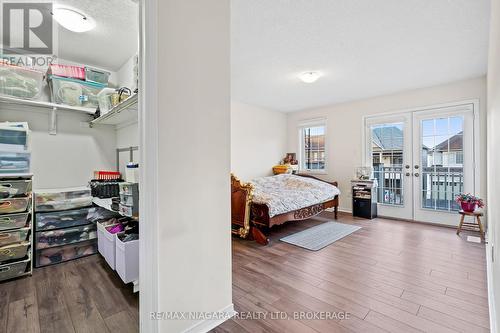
<point x="312" y="147"/>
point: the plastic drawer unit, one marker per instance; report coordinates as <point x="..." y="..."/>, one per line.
<point x="14" y="188"/>
<point x="10" y="271"/>
<point x="20" y="82"/>
<point x="14" y="205"/>
<point x="127" y="259"/>
<point x="14" y="162"/>
<point x="59" y="254"/>
<point x="14" y="221"/>
<point x="63" y="219"/>
<point x="74" y="92"/>
<point x="53" y="238"/>
<point x="14" y="251"/>
<point x="14" y="236"/>
<point x="54" y="201"/>
<point x="14" y="136"/>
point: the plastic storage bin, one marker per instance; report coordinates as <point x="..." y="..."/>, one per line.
<point x="48" y="201"/>
<point x="74" y="92"/>
<point x="104" y="98"/>
<point x="20" y="82"/>
<point x="14" y="205"/>
<point x="106" y="244"/>
<point x="64" y="204"/>
<point x="13" y="221"/>
<point x="59" y="254"/>
<point x="14" y="162"/>
<point x="14" y="188"/>
<point x="53" y="238"/>
<point x="127" y="259"/>
<point x="128" y="210"/>
<point x="14" y="136"/>
<point x="14" y="270"/>
<point x="128" y="199"/>
<point x="96" y="75"/>
<point x="14" y="236"/>
<point x="14" y="251"/>
<point x="63" y="219"/>
<point x="129" y="188"/>
<point x="75" y="72"/>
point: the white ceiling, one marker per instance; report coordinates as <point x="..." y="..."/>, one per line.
<point x="114" y="40"/>
<point x="365" y="48"/>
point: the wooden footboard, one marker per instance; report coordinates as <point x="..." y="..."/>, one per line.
<point x="241" y="200"/>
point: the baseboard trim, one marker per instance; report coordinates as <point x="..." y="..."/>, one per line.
<point x="207" y="325"/>
<point x="491" y="293"/>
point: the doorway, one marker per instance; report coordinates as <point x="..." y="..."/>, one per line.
<point x="421" y="160"/>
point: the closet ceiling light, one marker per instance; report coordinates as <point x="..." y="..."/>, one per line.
<point x="73" y="20"/>
<point x="309" y="76"/>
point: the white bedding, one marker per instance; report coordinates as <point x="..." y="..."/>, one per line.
<point x="285" y="193"/>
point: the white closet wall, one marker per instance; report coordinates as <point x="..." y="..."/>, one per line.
<point x="69" y="158"/>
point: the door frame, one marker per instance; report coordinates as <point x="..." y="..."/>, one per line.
<point x="476" y="165"/>
<point x="149" y="170"/>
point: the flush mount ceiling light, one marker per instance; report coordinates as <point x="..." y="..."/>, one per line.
<point x="309" y="76"/>
<point x="73" y="20"/>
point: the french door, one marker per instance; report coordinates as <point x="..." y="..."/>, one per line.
<point x="421" y="161"/>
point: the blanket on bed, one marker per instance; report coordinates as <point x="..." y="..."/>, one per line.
<point x="285" y="193"/>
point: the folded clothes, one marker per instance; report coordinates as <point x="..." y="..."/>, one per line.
<point x="130" y="237"/>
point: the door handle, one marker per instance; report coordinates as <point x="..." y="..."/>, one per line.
<point x="407" y="174"/>
<point x="407" y="166"/>
<point x="416" y="166"/>
<point x="416" y="174"/>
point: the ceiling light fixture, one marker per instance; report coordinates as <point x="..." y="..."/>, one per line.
<point x="73" y="20"/>
<point x="309" y="76"/>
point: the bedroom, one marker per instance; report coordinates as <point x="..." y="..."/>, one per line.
<point x="399" y="88"/>
<point x="374" y="115"/>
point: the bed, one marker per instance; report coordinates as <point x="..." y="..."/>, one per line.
<point x="268" y="201"/>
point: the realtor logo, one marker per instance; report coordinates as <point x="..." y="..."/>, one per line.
<point x="27" y="28"/>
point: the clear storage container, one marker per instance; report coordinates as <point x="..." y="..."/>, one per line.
<point x="129" y="188"/>
<point x="20" y="82"/>
<point x="14" y="251"/>
<point x="13" y="270"/>
<point x="14" y="236"/>
<point x="12" y="162"/>
<point x="127" y="199"/>
<point x="104" y="98"/>
<point x="54" y="200"/>
<point x="96" y="75"/>
<point x="13" y="221"/>
<point x="14" y="188"/>
<point x="53" y="238"/>
<point x="14" y="205"/>
<point x="14" y="136"/>
<point x="74" y="92"/>
<point x="63" y="219"/>
<point x="59" y="254"/>
<point x="127" y="259"/>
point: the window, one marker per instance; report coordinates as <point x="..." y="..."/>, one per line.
<point x="312" y="147"/>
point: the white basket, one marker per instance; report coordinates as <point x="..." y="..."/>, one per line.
<point x="106" y="244"/>
<point x="127" y="260"/>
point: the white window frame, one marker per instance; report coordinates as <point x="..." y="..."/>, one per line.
<point x="305" y="124"/>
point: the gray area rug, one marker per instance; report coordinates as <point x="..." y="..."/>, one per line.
<point x="321" y="235"/>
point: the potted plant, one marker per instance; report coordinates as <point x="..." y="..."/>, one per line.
<point x="469" y="202"/>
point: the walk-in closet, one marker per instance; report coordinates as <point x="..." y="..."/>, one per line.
<point x="69" y="168"/>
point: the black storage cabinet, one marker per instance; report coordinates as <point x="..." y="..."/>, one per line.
<point x="364" y="196"/>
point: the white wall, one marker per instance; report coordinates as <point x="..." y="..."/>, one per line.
<point x="193" y="125"/>
<point x="345" y="126"/>
<point x="258" y="140"/>
<point x="69" y="158"/>
<point x="492" y="204"/>
<point x="127" y="136"/>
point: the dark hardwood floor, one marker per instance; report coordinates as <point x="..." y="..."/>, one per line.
<point x="390" y="276"/>
<point x="83" y="295"/>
